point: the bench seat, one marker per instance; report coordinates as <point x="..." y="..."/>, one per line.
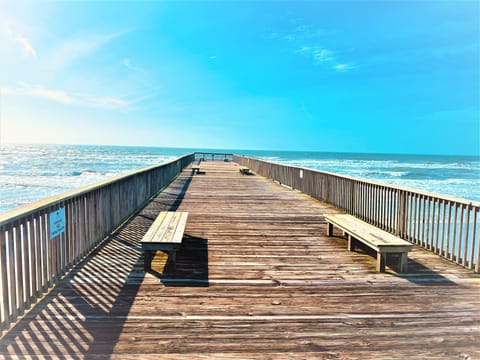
<point x="195" y="168"/>
<point x="166" y="234"/>
<point x="377" y="239"/>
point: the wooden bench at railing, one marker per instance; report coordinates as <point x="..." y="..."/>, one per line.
<point x="33" y="259"/>
<point x="196" y="167"/>
<point x="447" y="226"/>
<point x="245" y="170"/>
<point x="165" y="234"/>
<point x="381" y="241"/>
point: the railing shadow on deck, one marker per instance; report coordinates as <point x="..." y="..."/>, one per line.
<point x="170" y="199"/>
<point x="85" y="314"/>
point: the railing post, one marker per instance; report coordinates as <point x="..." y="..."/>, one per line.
<point x="401" y="213"/>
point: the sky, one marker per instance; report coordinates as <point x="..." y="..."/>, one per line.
<point x="342" y="76"/>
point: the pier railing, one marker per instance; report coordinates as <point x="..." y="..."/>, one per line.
<point x="213" y="156"/>
<point x="40" y="242"/>
<point x="447" y="226"/>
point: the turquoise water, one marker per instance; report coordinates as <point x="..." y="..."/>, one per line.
<point x="32" y="172"/>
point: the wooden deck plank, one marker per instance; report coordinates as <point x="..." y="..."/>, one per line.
<point x="256" y="278"/>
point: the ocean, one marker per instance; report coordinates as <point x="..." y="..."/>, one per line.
<point x="31" y="172"/>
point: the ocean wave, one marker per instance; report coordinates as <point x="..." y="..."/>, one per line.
<point x="88" y="173"/>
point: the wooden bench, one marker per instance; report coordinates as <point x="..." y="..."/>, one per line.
<point x="381" y="241"/>
<point x="166" y="234"/>
<point x="245" y="170"/>
<point x="195" y="168"/>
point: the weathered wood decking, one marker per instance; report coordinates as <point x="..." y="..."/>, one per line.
<point x="256" y="278"/>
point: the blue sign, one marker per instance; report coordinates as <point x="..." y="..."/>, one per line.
<point x="57" y="222"/>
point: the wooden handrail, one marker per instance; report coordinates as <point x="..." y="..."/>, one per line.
<point x="212" y="155"/>
<point x="445" y="225"/>
<point x="32" y="259"/>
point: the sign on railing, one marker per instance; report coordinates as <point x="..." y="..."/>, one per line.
<point x="57" y="222"/>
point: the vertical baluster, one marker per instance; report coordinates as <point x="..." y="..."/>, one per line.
<point x="63" y="242"/>
<point x="394" y="210"/>
<point x="19" y="283"/>
<point x="476" y="241"/>
<point x="4" y="308"/>
<point x="424" y="209"/>
<point x="69" y="234"/>
<point x="83" y="233"/>
<point x="442" y="236"/>
<point x="426" y="235"/>
<point x="75" y="232"/>
<point x="12" y="277"/>
<point x="33" y="260"/>
<point x="408" y="216"/>
<point x="387" y="210"/>
<point x="391" y="208"/>
<point x="51" y="250"/>
<point x="437" y="224"/>
<point x="414" y="217"/>
<point x="454" y="238"/>
<point x="38" y="256"/>
<point x="365" y="202"/>
<point x="45" y="251"/>
<point x="448" y="233"/>
<point x="370" y="203"/>
<point x="26" y="263"/>
<point x="417" y="218"/>
<point x="460" y="233"/>
<point x="465" y="241"/>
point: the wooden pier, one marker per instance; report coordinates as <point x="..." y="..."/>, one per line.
<point x="256" y="278"/>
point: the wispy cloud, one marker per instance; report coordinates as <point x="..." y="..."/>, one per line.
<point x="324" y="57"/>
<point x="343" y="67"/>
<point x="26" y="46"/>
<point x="73" y="48"/>
<point x="67" y="98"/>
<point x="306" y="40"/>
<point x="20" y="40"/>
<point x="133" y="67"/>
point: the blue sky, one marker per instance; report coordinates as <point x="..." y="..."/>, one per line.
<point x="378" y="76"/>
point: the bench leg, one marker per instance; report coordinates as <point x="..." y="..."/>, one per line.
<point x="351" y="243"/>
<point x="147" y="260"/>
<point x="329" y="229"/>
<point x="172" y="258"/>
<point x="403" y="262"/>
<point x="381" y="262"/>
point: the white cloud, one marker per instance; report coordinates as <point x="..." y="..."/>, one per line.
<point x="343" y="67"/>
<point x="15" y="40"/>
<point x="324" y="57"/>
<point x="63" y="97"/>
<point x="307" y="40"/>
<point x="27" y="47"/>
